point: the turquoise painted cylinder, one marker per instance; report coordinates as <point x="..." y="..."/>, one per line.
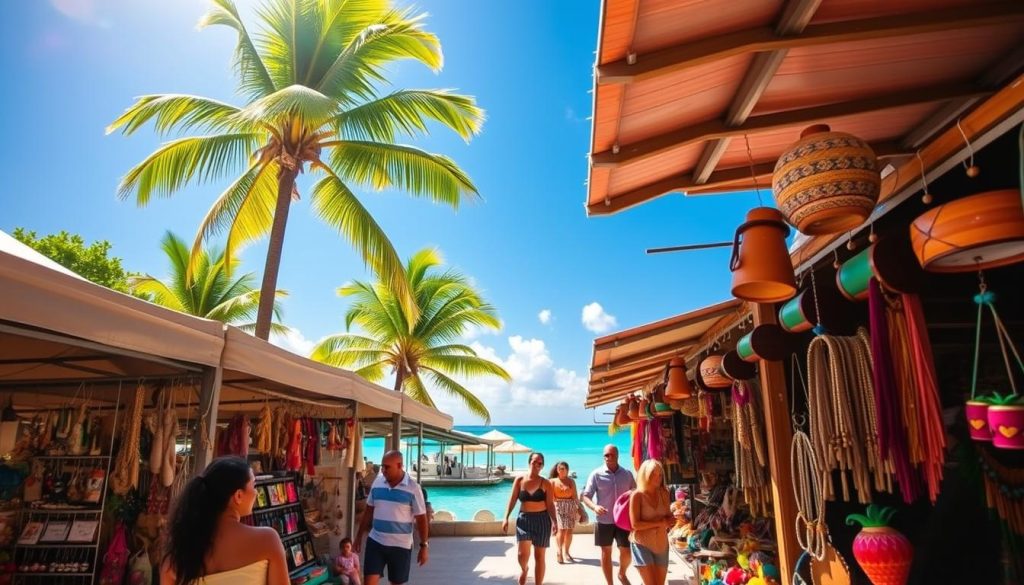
<point x="854" y="275"/>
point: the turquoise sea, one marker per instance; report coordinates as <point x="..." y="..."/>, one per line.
<point x="579" y="446"/>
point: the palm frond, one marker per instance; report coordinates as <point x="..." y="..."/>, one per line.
<point x="242" y="306"/>
<point x="295" y="103"/>
<point x="459" y="391"/>
<point x="346" y="350"/>
<point x="246" y="207"/>
<point x="275" y="328"/>
<point x="452" y="349"/>
<point x="176" y="112"/>
<point x="407" y="112"/>
<point x="159" y="293"/>
<point x="333" y="202"/>
<point x="254" y="80"/>
<point x="464" y="366"/>
<point x="412" y="385"/>
<point x="376" y="311"/>
<point x="407" y="168"/>
<point x="180" y="161"/>
<point x="340" y="22"/>
<point x="374" y="372"/>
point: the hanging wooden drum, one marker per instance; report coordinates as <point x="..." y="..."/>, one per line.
<point x="679" y="387"/>
<point x="711" y="373"/>
<point x="800" y="314"/>
<point x="766" y="342"/>
<point x="977" y="232"/>
<point x="890" y="260"/>
<point x="828" y="182"/>
<point x="735" y="368"/>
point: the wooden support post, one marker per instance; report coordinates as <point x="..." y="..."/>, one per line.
<point x="779" y="432"/>
<point x="419" y="453"/>
<point x="209" y="400"/>
<point x="396" y="433"/>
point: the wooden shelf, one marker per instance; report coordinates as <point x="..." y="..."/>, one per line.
<point x="303" y="566"/>
<point x="274" y="508"/>
<point x="70" y="458"/>
<point x="58" y="545"/>
<point x="293" y="535"/>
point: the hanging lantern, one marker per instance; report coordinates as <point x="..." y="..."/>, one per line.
<point x="679" y="387"/>
<point x="762" y="271"/>
<point x="711" y="373"/>
<point x="828" y="182"/>
<point x="889" y="260"/>
<point x="766" y="342"/>
<point x="735" y="368"/>
<point x="969" y="234"/>
<point x="801" y="313"/>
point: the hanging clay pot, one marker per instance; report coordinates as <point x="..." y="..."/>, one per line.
<point x="633" y="411"/>
<point x="762" y="271"/>
<point x="1007" y="424"/>
<point x="679" y="387"/>
<point x="977" y="420"/>
<point x="711" y="373"/>
<point x="735" y="368"/>
<point x="827" y="182"/>
<point x="622" y="414"/>
<point x="800" y="314"/>
<point x="977" y="232"/>
<point x="890" y="261"/>
<point x="766" y="342"/>
<point x="644" y="408"/>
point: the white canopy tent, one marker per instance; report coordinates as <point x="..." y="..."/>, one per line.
<point x="511" y="447"/>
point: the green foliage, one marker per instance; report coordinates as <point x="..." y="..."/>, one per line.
<point x="313" y="75"/>
<point x="213" y="293"/>
<point x="874" y="517"/>
<point x="92" y="262"/>
<point x="416" y="348"/>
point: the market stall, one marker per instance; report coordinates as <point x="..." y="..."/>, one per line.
<point x="876" y="338"/>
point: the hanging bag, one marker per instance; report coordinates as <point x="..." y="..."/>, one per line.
<point x="115" y="560"/>
<point x="620" y="511"/>
<point x="140" y="570"/>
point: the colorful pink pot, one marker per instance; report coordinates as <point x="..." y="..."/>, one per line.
<point x="1007" y="424"/>
<point x="977" y="420"/>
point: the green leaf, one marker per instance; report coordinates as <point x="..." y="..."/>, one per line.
<point x="457" y="390"/>
<point x="407" y="112"/>
<point x="310" y="108"/>
<point x="179" y="162"/>
<point x="254" y="80"/>
<point x="177" y="112"/>
<point x="382" y="166"/>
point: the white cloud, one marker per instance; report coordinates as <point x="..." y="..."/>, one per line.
<point x="294" y="341"/>
<point x="595" y="318"/>
<point x="544" y="316"/>
<point x="540" y="391"/>
<point x="81" y="11"/>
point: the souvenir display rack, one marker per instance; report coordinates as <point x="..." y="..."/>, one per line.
<point x="278" y="505"/>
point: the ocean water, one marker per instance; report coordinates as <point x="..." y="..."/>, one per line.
<point x="579" y="446"/>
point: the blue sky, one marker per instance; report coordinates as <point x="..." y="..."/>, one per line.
<point x="71" y="66"/>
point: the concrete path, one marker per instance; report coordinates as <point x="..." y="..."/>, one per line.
<point x="490" y="559"/>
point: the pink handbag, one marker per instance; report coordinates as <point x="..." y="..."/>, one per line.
<point x="115" y="560"/>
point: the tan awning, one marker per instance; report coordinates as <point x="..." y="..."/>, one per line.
<point x="416" y="412"/>
<point x="37" y="293"/>
<point x="627" y="361"/>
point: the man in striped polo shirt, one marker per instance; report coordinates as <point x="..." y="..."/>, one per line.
<point x="394" y="507"/>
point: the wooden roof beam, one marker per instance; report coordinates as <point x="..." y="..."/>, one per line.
<point x="765" y="38"/>
<point x="664" y="353"/>
<point x="683" y="183"/>
<point x="769" y="122"/>
<point x="795" y="17"/>
<point x="636" y="376"/>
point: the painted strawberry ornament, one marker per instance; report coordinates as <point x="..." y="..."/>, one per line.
<point x="883" y="553"/>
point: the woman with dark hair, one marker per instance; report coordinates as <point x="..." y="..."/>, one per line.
<point x="536" y="521"/>
<point x="567" y="508"/>
<point x="209" y="545"/>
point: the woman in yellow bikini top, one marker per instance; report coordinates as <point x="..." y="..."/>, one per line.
<point x="209" y="545"/>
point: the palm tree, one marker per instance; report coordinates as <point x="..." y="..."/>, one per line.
<point x="311" y="77"/>
<point x="212" y="293"/>
<point x="416" y="348"/>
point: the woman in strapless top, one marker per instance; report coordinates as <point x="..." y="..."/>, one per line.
<point x="567" y="508"/>
<point x="209" y="545"/>
<point x="536" y="521"/>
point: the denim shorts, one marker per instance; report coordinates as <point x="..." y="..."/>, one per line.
<point x="644" y="557"/>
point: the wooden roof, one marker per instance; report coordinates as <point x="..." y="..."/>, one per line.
<point x="682" y="86"/>
<point x="626" y="361"/>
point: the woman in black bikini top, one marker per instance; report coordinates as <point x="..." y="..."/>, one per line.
<point x="536" y="521"/>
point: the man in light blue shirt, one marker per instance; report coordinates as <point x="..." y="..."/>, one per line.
<point x="604" y="486"/>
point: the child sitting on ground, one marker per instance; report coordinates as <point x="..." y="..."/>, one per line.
<point x="347" y="564"/>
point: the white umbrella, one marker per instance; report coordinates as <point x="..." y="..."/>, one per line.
<point x="495" y="436"/>
<point x="512" y="448"/>
<point x="474" y="449"/>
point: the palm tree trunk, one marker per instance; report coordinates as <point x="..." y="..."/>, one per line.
<point x="399" y="379"/>
<point x="265" y="312"/>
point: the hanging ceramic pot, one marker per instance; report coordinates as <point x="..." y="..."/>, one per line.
<point x="969" y="234"/>
<point x="711" y="373"/>
<point x="801" y="313"/>
<point x="827" y="182"/>
<point x="622" y="414"/>
<point x="679" y="387"/>
<point x="977" y="420"/>
<point x="762" y="271"/>
<point x="890" y="261"/>
<point x="633" y="411"/>
<point x="735" y="368"/>
<point x="766" y="342"/>
<point x="1006" y="421"/>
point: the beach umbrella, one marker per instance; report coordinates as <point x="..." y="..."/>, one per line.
<point x="495" y="437"/>
<point x="511" y="447"/>
<point x="459" y="450"/>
